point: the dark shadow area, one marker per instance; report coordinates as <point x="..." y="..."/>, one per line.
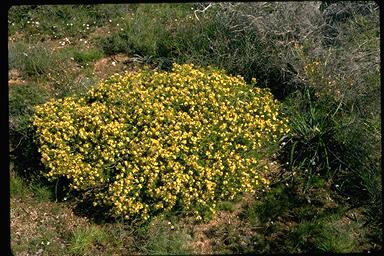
<point x="97" y="214"/>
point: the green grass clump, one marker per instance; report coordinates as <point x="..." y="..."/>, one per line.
<point x="226" y="206"/>
<point x="34" y="61"/>
<point x="147" y="31"/>
<point x="148" y="142"/>
<point x="21" y="188"/>
<point x="84" y="238"/>
<point x="162" y="237"/>
<point x="84" y="57"/>
<point x="17" y="186"/>
<point x="326" y="234"/>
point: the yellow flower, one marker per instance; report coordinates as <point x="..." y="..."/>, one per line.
<point x="177" y="136"/>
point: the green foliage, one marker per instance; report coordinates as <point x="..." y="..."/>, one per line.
<point x="32" y="61"/>
<point x="149" y="142"/>
<point x="226" y="206"/>
<point x="311" y="145"/>
<point x="22" y="99"/>
<point x="42" y="192"/>
<point x="275" y="203"/>
<point x="39" y="23"/>
<point x="326" y="234"/>
<point x="162" y="237"/>
<point x="21" y="102"/>
<point x="17" y="186"/>
<point x="84" y="57"/>
<point x="146" y="31"/>
<point x="210" y="41"/>
<point x="295" y="221"/>
<point x="84" y="238"/>
<point x="45" y="65"/>
<point x="340" y="70"/>
<point x="23" y="185"/>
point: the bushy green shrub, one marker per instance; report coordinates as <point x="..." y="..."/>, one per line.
<point x="148" y="142"/>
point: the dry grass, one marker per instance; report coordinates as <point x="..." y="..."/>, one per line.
<point x="41" y="226"/>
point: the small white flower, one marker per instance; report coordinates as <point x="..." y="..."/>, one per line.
<point x="113" y="63"/>
<point x="110" y="20"/>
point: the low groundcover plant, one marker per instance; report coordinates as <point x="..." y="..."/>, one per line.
<point x="148" y="142"/>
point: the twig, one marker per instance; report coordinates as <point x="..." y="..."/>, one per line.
<point x="57" y="183"/>
<point x="202" y="11"/>
<point x="14" y="149"/>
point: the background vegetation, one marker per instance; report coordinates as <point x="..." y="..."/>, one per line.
<point x="321" y="59"/>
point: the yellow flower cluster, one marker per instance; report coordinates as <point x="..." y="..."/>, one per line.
<point x="148" y="142"/>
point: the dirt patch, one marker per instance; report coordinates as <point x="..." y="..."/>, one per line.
<point x="17" y="36"/>
<point x="100" y="32"/>
<point x="14" y="77"/>
<point x="38" y="226"/>
<point x="118" y="63"/>
<point x="209" y="237"/>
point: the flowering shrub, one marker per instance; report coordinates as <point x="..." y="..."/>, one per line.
<point x="148" y="142"/>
